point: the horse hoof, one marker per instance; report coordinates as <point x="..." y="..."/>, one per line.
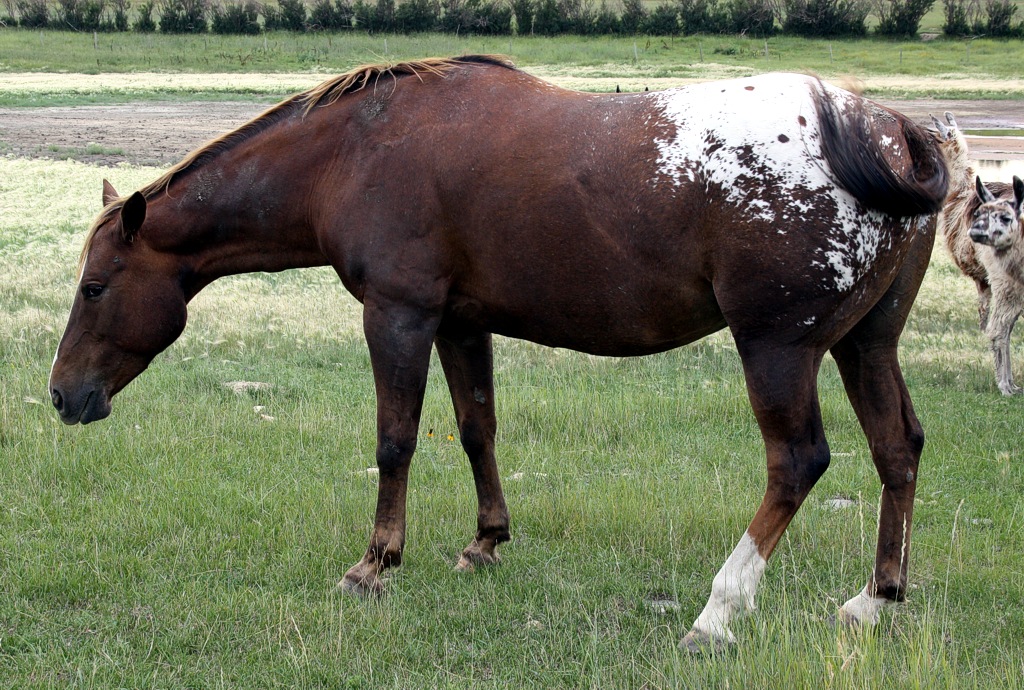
<point x="698" y="642"/>
<point x="475" y="555"/>
<point x="845" y="621"/>
<point x="364" y="587"/>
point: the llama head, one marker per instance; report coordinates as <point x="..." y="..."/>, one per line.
<point x="997" y="221"/>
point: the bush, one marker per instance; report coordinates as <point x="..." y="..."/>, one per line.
<point x="236" y="18"/>
<point x="606" y="21"/>
<point x="548" y="19"/>
<point x="183" y="17"/>
<point x="494" y="19"/>
<point x="825" y="18"/>
<point x="413" y="16"/>
<point x="663" y="21"/>
<point x="999" y="22"/>
<point x="333" y="16"/>
<point x="522" y="10"/>
<point x="82" y="15"/>
<point x="753" y="17"/>
<point x="34" y="14"/>
<point x="289" y="15"/>
<point x="957" y="20"/>
<point x="384" y="16"/>
<point x="120" y="22"/>
<point x="483" y="17"/>
<point x="69" y="14"/>
<point x="577" y="16"/>
<point x="702" y="17"/>
<point x="900" y="17"/>
<point x="634" y="16"/>
<point x="145" y="24"/>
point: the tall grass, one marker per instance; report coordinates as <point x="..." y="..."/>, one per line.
<point x="194" y="538"/>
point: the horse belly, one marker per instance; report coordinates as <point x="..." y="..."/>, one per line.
<point x="602" y="310"/>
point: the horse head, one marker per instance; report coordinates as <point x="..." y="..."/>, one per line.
<point x="130" y="305"/>
<point x="996" y="222"/>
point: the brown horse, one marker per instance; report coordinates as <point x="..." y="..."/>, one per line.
<point x="460" y="198"/>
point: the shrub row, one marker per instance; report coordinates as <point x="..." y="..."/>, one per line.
<point x="812" y="18"/>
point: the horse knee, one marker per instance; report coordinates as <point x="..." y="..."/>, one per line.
<point x="393" y="454"/>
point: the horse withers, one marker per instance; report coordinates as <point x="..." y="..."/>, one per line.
<point x="457" y="198"/>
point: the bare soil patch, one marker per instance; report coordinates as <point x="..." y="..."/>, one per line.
<point x="160" y="134"/>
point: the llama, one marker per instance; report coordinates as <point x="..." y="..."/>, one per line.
<point x="955" y="222"/>
<point x="996" y="229"/>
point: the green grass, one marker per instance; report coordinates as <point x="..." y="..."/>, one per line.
<point x="960" y="68"/>
<point x="188" y="541"/>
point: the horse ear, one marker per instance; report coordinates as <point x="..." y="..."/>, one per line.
<point x="133" y="214"/>
<point x="109" y="193"/>
<point x="983" y="193"/>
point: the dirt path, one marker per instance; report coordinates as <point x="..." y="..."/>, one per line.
<point x="160" y="134"/>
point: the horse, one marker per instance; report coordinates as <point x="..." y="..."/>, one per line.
<point x="459" y="198"/>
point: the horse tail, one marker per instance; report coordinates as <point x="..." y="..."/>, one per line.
<point x="860" y="167"/>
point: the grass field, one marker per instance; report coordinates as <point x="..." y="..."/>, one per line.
<point x="193" y="540"/>
<point x="963" y="69"/>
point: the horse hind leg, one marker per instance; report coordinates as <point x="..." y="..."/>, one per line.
<point x="875" y="386"/>
<point x="781" y="383"/>
<point x="467" y="363"/>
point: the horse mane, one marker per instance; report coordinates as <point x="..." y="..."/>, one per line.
<point x="325" y="94"/>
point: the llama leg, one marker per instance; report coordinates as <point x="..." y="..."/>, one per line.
<point x="984" y="302"/>
<point x="1003" y="316"/>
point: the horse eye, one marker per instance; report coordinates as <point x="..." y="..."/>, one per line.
<point x="92" y="291"/>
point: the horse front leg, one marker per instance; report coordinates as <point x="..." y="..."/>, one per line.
<point x="468" y="367"/>
<point x="783" y="392"/>
<point x="399" y="339"/>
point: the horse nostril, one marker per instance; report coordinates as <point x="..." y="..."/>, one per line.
<point x="57" y="398"/>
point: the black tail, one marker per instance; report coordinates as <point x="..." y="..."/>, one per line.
<point x="860" y="167"/>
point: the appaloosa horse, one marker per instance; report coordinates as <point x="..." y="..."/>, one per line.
<point x="459" y="198"/>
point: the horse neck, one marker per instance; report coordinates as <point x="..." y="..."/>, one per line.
<point x="241" y="211"/>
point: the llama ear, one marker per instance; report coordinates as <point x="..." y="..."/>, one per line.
<point x="133" y="214"/>
<point x="942" y="129"/>
<point x="1018" y="193"/>
<point x="949" y="118"/>
<point x="109" y="193"/>
<point x="983" y="193"/>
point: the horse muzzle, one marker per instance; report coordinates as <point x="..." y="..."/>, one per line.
<point x="81" y="407"/>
